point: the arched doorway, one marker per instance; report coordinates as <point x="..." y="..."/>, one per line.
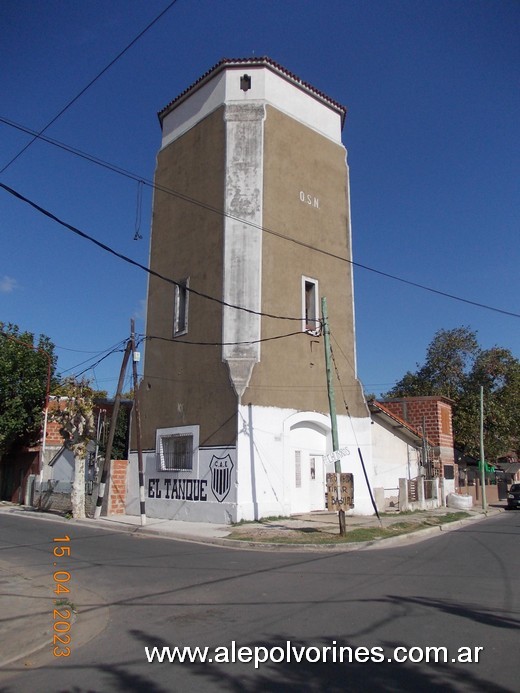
<point x="307" y="445"/>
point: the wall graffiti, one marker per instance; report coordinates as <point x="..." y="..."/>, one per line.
<point x="178" y="489"/>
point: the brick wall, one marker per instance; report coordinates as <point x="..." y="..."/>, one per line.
<point x="117" y="487"/>
<point x="435" y="413"/>
<point x="432" y="411"/>
<point x="55" y="495"/>
<point x="52" y="436"/>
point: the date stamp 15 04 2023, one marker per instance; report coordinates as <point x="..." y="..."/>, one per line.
<point x="63" y="610"/>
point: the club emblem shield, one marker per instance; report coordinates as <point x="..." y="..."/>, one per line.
<point x="221" y="468"/>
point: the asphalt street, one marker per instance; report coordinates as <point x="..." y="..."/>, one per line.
<point x="460" y="589"/>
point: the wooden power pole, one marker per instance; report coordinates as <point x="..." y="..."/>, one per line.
<point x="333" y="419"/>
<point x="112" y="430"/>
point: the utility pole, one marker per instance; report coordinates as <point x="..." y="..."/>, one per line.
<point x="137" y="413"/>
<point x="333" y="419"/>
<point x="113" y="420"/>
<point x="482" y="462"/>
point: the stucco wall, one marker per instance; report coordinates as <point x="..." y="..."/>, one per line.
<point x="186" y="383"/>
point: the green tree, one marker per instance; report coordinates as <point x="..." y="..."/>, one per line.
<point x="26" y="366"/>
<point x="498" y="372"/>
<point x="456" y="367"/>
<point x="449" y="358"/>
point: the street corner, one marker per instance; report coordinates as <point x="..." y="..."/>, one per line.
<point x="38" y="625"/>
<point x="26" y="620"/>
<point x="320" y="531"/>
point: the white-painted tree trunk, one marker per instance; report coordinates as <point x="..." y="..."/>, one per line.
<point x="78" y="489"/>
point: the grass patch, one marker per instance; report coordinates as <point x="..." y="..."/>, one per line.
<point x="301" y="535"/>
<point x="262" y="520"/>
<point x="65" y="602"/>
<point x="452" y="517"/>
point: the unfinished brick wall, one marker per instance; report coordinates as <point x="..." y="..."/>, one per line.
<point x="435" y="413"/>
<point x="117" y="487"/>
<point x="52" y="434"/>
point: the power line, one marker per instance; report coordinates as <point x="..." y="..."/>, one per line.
<point x="86" y="236"/>
<point x="76" y="152"/>
<point x="254" y="341"/>
<point x="94" y="365"/>
<point x="103" y="354"/>
<point x="220" y="212"/>
<point x="92" y="81"/>
<point x="80" y="351"/>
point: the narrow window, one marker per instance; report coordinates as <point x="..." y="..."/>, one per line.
<point x="298" y="468"/>
<point x="176" y="453"/>
<point x="311" y="321"/>
<point x="180" y="308"/>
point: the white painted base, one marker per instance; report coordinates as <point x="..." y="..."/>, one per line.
<point x="278" y="470"/>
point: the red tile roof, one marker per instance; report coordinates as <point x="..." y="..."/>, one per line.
<point x="254" y="62"/>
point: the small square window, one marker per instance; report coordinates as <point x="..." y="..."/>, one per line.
<point x="245" y="82"/>
<point x="180" y="308"/>
<point x="176" y="453"/>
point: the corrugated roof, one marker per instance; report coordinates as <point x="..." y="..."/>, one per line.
<point x="254" y="62"/>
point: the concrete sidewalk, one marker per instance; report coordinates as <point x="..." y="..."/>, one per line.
<point x="307" y="531"/>
<point x="27" y="600"/>
<point x="300" y="531"/>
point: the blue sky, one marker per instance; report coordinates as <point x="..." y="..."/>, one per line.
<point x="432" y="133"/>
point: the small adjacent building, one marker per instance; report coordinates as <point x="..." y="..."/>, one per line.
<point x="50" y="486"/>
<point x="432" y="417"/>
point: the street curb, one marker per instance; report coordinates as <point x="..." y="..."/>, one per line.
<point x="407" y="538"/>
<point x="383" y="543"/>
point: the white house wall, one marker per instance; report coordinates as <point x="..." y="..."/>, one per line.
<point x="267" y="439"/>
<point x="393" y="457"/>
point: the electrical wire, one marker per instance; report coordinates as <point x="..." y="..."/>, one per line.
<point x="92" y="81"/>
<point x="339" y="380"/>
<point x="103" y="354"/>
<point x="203" y="205"/>
<point x="254" y="341"/>
<point x="343" y="354"/>
<point x="86" y="236"/>
<point x="94" y="365"/>
<point x="79" y="351"/>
